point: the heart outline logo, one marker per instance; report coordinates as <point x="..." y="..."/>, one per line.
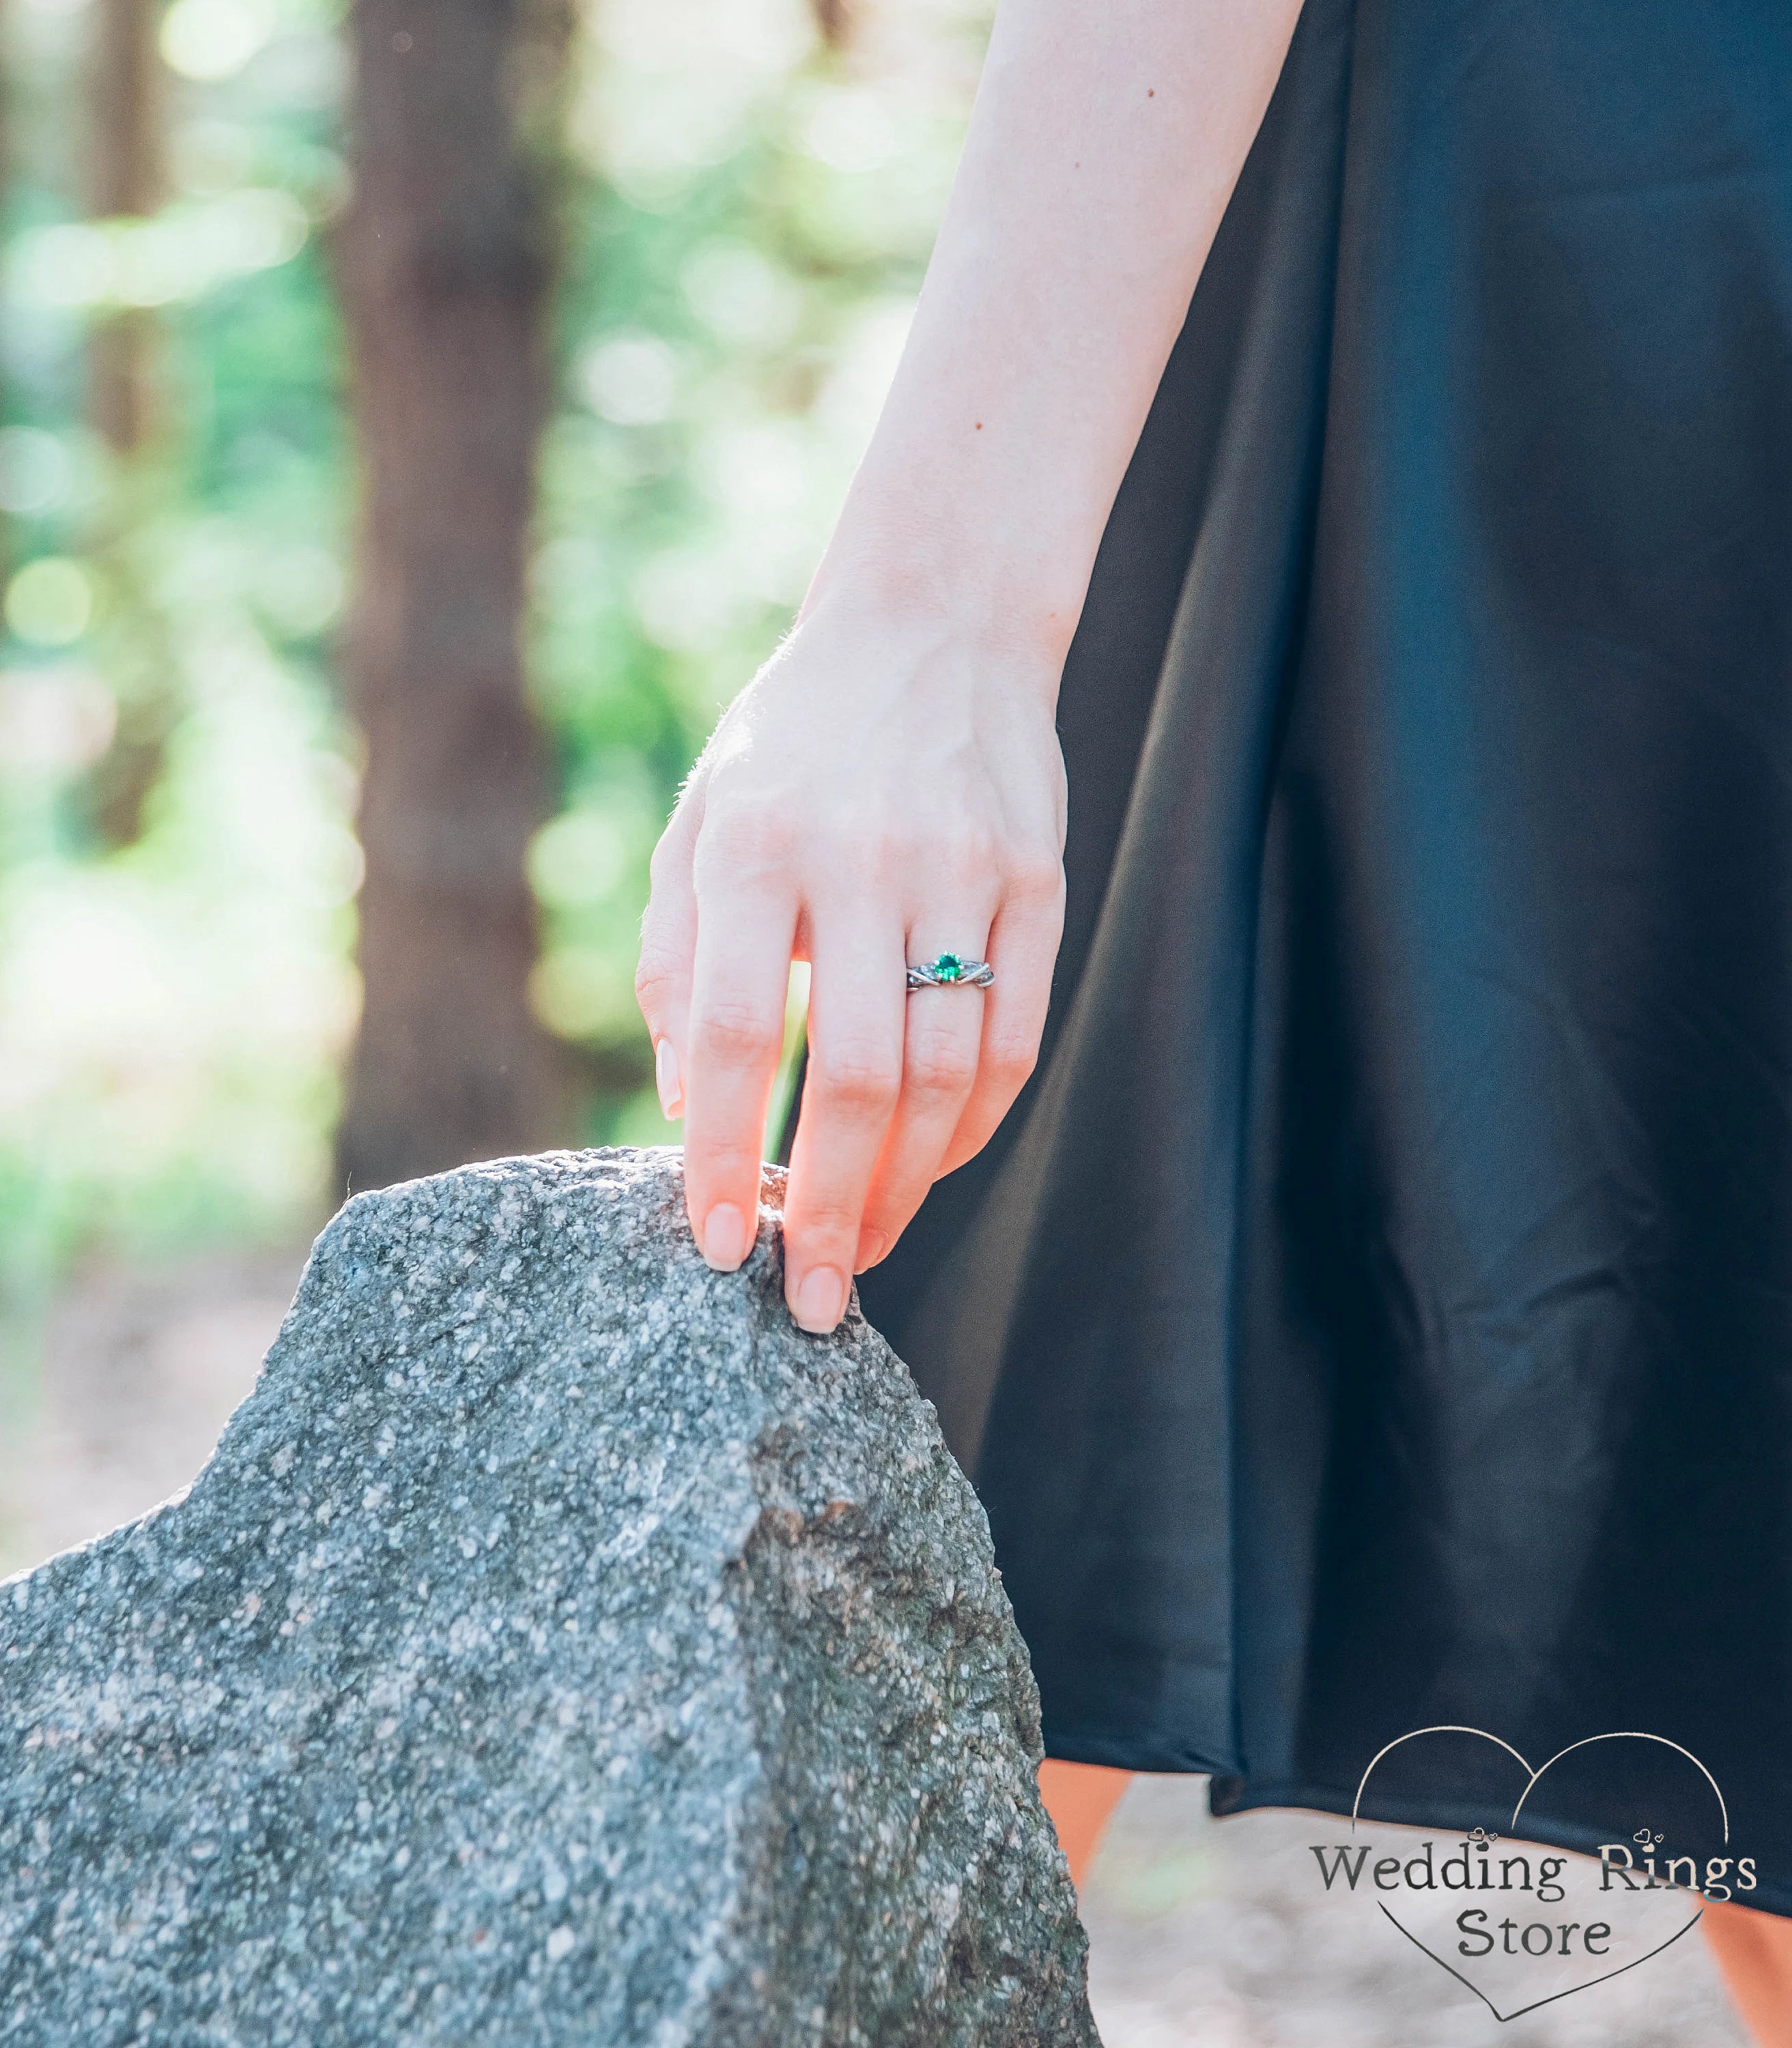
<point x="1533" y="1775"/>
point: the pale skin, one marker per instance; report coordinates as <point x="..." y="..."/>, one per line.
<point x="889" y="787"/>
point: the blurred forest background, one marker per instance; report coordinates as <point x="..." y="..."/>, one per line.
<point x="418" y="418"/>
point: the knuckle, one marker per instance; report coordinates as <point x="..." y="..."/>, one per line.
<point x="669" y="867"/>
<point x="1036" y="879"/>
<point x="861" y="1077"/>
<point x="864" y="852"/>
<point x="939" y="1066"/>
<point x="883" y="1215"/>
<point x="964" y="855"/>
<point x="735" y="1032"/>
<point x="826" y="1225"/>
<point x="672" y="850"/>
<point x="744" y="834"/>
<point x="669" y="849"/>
<point x="1011" y="1059"/>
<point x="723" y="1166"/>
<point x="656" y="978"/>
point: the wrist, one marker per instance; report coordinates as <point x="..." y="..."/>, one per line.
<point x="938" y="626"/>
<point x="931" y="585"/>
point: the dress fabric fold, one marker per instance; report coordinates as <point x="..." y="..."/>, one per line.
<point x="1377" y="1313"/>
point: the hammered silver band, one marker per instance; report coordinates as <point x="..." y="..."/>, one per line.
<point x="950" y="971"/>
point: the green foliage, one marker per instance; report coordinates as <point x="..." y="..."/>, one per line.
<point x="745" y="219"/>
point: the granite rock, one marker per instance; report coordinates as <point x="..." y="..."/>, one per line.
<point x="559" y="1648"/>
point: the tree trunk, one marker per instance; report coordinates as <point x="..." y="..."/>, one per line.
<point x="834" y="19"/>
<point x="127" y="180"/>
<point x="445" y="266"/>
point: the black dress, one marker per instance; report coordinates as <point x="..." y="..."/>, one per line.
<point x="1378" y="1311"/>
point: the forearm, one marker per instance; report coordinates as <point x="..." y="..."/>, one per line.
<point x="1103" y="148"/>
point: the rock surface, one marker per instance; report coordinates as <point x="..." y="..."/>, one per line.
<point x="559" y="1648"/>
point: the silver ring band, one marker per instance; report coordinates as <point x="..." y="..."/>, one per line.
<point x="949" y="971"/>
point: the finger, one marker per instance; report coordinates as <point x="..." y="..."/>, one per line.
<point x="850" y="1090"/>
<point x="940" y="1047"/>
<point x="662" y="974"/>
<point x="739" y="975"/>
<point x="1022" y="948"/>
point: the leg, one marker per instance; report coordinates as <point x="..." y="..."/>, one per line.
<point x="1754" y="1951"/>
<point x="1080" y="1797"/>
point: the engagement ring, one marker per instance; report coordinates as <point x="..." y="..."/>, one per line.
<point x="949" y="971"/>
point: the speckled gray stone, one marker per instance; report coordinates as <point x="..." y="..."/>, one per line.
<point x="559" y="1648"/>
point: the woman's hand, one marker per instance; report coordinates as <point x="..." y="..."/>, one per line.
<point x="887" y="789"/>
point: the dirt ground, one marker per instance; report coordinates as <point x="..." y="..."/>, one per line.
<point x="1203" y="1933"/>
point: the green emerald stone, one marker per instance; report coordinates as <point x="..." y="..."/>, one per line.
<point x="948" y="967"/>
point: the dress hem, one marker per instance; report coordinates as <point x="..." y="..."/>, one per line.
<point x="1241" y="1794"/>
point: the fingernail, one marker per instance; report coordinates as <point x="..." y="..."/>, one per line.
<point x="821" y="1299"/>
<point x="872" y="1245"/>
<point x="665" y="1079"/>
<point x="726" y="1238"/>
